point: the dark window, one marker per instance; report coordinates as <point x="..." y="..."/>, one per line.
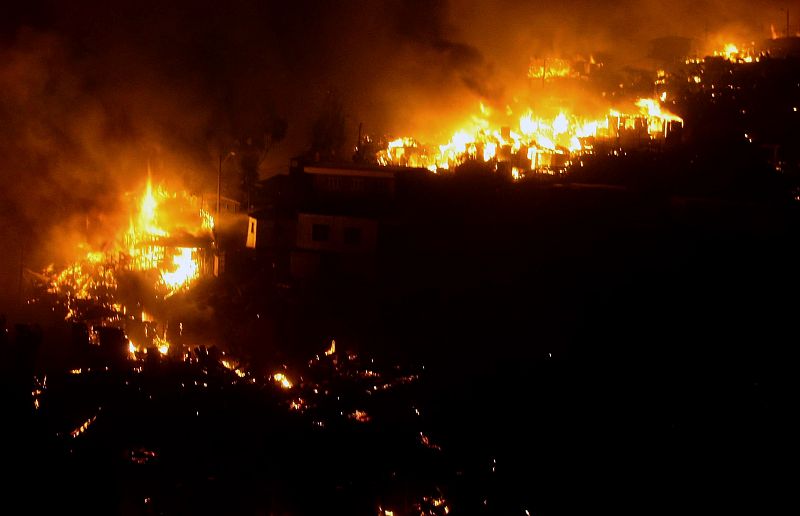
<point x="352" y="236"/>
<point x="252" y="227"/>
<point x="320" y="232"/>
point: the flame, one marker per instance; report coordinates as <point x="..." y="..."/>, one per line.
<point x="148" y="211"/>
<point x="282" y="380"/>
<point x="535" y="144"/>
<point x="330" y="351"/>
<point x="233" y="366"/>
<point x="552" y="69"/>
<point x="560" y="124"/>
<point x="142" y="247"/>
<point x="84" y="426"/>
<point x="736" y="53"/>
<point x="178" y="267"/>
<point x="207" y="220"/>
<point x="162" y="345"/>
<point x="360" y="415"/>
<point x="652" y="109"/>
<point x="186" y="269"/>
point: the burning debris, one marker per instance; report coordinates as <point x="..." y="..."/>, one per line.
<point x="329" y="397"/>
<point x="282" y="381"/>
<point x="83" y="427"/>
<point x="161" y="253"/>
<point x="536" y="143"/>
<point x="172" y="258"/>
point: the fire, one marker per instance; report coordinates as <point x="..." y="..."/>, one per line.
<point x="186" y="269"/>
<point x="552" y="69"/>
<point x="84" y="426"/>
<point x="560" y="124"/>
<point x="234" y="367"/>
<point x="178" y="266"/>
<point x="162" y="345"/>
<point x="282" y="380"/>
<point x="536" y="143"/>
<point x="360" y="415"/>
<point x="651" y="108"/>
<point x="548" y="139"/>
<point x="735" y="53"/>
<point x="330" y="351"/>
<point x="146" y="246"/>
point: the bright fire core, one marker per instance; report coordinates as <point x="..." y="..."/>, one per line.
<point x="173" y="255"/>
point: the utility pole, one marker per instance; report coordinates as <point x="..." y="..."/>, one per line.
<point x="787" y="22"/>
<point x="219" y="255"/>
<point x="219" y="188"/>
<point x="222" y="158"/>
<point x="21" y="273"/>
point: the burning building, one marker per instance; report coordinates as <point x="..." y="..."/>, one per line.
<point x="167" y="247"/>
<point x="538" y="144"/>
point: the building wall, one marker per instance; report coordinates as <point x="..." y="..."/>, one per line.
<point x="351" y="182"/>
<point x="335" y="233"/>
<point x="265" y="233"/>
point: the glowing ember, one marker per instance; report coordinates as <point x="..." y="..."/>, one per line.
<point x="425" y="440"/>
<point x="233" y="366"/>
<point x="360" y="416"/>
<point x="282" y="380"/>
<point x="81" y="429"/>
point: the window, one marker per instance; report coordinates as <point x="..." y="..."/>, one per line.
<point x="252" y="227"/>
<point x="352" y="236"/>
<point x="320" y="232"/>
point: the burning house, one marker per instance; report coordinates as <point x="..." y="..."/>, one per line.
<point x="168" y="245"/>
<point x="568" y="122"/>
<point x="540" y="145"/>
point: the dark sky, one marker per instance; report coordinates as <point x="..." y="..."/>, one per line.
<point x="94" y="92"/>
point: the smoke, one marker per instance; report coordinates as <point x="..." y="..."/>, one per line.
<point x="95" y="92"/>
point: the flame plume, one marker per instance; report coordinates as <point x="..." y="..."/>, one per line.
<point x="147" y="246"/>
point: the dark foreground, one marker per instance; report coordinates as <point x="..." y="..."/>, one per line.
<point x="628" y="355"/>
